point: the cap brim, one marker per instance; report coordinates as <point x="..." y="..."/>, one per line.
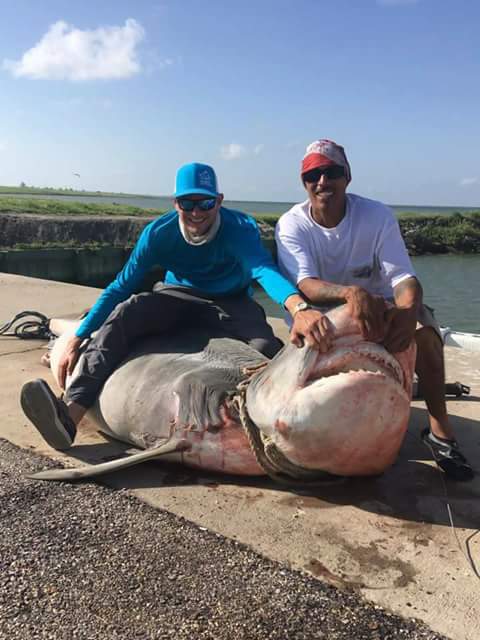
<point x="315" y="161"/>
<point x="195" y="192"/>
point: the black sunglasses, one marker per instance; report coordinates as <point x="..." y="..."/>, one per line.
<point x="334" y="172"/>
<point x="189" y="205"/>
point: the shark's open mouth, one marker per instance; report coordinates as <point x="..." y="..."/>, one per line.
<point x="344" y="411"/>
<point x="366" y="357"/>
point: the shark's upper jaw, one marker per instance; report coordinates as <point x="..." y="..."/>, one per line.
<point x="348" y="358"/>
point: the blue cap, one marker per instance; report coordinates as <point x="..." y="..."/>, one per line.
<point x="196" y="178"/>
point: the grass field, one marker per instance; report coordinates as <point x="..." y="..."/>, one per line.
<point x="66" y="208"/>
<point x="51" y="191"/>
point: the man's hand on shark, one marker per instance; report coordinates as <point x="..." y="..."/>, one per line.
<point x="401" y="325"/>
<point x="368" y="311"/>
<point x="314" y="328"/>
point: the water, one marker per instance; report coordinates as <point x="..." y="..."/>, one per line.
<point x="450" y="284"/>
<point x="164" y="203"/>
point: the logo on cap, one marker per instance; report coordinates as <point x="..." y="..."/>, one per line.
<point x="205" y="179"/>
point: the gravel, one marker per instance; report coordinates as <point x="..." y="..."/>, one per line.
<point x="83" y="561"/>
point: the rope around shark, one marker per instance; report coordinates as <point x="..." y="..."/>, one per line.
<point x="267" y="454"/>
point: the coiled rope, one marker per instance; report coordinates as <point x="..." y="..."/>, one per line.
<point x="267" y="454"/>
<point x="27" y="325"/>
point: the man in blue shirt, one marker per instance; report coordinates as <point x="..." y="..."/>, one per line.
<point x="211" y="256"/>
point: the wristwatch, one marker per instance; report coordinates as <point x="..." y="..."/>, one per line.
<point x="301" y="306"/>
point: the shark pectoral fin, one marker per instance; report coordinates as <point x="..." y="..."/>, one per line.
<point x="91" y="471"/>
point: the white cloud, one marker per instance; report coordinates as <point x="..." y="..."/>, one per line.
<point x="233" y="151"/>
<point x="257" y="150"/>
<point x="394" y="3"/>
<point x="67" y="53"/>
<point x="465" y="182"/>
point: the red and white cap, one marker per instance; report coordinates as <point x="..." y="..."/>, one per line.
<point x="323" y="153"/>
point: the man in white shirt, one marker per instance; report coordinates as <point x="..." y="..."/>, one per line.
<point x="342" y="248"/>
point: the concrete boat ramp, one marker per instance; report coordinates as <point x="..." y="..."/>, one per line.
<point x="407" y="541"/>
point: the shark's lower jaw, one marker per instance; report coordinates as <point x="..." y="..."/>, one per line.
<point x="349" y="423"/>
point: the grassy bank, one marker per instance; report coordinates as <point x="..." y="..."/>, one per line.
<point x="456" y="233"/>
<point x="67" y="208"/>
<point x="423" y="234"/>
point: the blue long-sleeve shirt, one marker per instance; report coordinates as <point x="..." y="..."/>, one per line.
<point x="226" y="265"/>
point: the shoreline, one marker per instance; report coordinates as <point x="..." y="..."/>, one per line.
<point x="44" y="224"/>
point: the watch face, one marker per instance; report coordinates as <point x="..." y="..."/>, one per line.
<point x="301" y="306"/>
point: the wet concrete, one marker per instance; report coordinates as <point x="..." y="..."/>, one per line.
<point x="407" y="540"/>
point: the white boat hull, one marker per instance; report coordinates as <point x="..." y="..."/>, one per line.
<point x="469" y="341"/>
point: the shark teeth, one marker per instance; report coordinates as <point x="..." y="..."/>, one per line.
<point x="361" y="357"/>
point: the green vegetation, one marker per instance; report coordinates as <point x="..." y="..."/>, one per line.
<point x="447" y="219"/>
<point x="454" y="233"/>
<point x="67" y="208"/>
<point x="23" y="189"/>
<point x="267" y="218"/>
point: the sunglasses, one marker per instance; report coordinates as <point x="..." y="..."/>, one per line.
<point x="333" y="172"/>
<point x="189" y="205"/>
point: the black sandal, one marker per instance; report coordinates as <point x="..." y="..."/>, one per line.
<point x="448" y="457"/>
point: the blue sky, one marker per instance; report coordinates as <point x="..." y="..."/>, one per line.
<point x="123" y="92"/>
